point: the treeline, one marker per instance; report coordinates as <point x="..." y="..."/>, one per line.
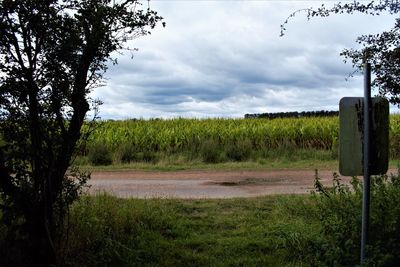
<point x="295" y="114"/>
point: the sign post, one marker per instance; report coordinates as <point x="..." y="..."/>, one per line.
<point x="367" y="153"/>
<point x="364" y="144"/>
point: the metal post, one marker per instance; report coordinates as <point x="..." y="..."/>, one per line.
<point x="367" y="132"/>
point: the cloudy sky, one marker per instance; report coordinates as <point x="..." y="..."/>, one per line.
<point x="225" y="59"/>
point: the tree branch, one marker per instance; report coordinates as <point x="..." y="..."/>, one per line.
<point x="393" y="7"/>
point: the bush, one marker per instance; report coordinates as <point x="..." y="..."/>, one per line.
<point x="148" y="156"/>
<point x="127" y="153"/>
<point x="99" y="154"/>
<point x="240" y="150"/>
<point x="210" y="151"/>
<point x="337" y="212"/>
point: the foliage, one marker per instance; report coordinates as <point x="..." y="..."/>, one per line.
<point x="99" y="154"/>
<point x="210" y="151"/>
<point x="53" y="53"/>
<point x="337" y="211"/>
<point x="381" y="50"/>
<point x="127" y="153"/>
<point x="240" y="151"/>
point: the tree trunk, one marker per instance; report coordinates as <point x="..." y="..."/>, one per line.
<point x="42" y="250"/>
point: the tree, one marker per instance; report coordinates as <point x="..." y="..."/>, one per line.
<point x="53" y="53"/>
<point x="381" y="50"/>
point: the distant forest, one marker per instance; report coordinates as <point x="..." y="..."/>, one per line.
<point x="295" y="114"/>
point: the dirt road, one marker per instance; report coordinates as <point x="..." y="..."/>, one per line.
<point x="206" y="184"/>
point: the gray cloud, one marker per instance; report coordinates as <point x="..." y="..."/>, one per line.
<point x="225" y="59"/>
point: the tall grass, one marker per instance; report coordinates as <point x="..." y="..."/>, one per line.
<point x="106" y="231"/>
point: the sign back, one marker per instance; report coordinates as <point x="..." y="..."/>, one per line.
<point x="351" y="124"/>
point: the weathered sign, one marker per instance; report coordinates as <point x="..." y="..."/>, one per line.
<point x="351" y="124"/>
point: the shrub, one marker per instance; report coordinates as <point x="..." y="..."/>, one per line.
<point x="210" y="151"/>
<point x="127" y="153"/>
<point x="148" y="156"/>
<point x="338" y="216"/>
<point x="99" y="154"/>
<point x="240" y="150"/>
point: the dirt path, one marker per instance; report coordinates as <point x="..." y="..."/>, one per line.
<point x="206" y="184"/>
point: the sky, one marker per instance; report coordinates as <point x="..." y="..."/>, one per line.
<point x="226" y="58"/>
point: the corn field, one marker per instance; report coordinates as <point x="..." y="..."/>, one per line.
<point x="180" y="135"/>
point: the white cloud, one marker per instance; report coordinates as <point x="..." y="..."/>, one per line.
<point x="225" y="59"/>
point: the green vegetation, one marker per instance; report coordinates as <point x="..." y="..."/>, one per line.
<point x="178" y="135"/>
<point x="332" y="238"/>
<point x="194" y="142"/>
<point x="321" y="229"/>
<point x="115" y="232"/>
<point x="302" y="159"/>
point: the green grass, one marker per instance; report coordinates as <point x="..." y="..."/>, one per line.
<point x="290" y="159"/>
<point x="106" y="231"/>
<point x="261" y="164"/>
<point x="321" y="229"/>
<point x="303" y="164"/>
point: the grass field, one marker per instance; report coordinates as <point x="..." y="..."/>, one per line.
<point x="161" y="232"/>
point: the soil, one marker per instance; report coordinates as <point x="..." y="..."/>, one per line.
<point x="207" y="184"/>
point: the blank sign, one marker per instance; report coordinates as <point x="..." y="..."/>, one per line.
<point x="351" y="124"/>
